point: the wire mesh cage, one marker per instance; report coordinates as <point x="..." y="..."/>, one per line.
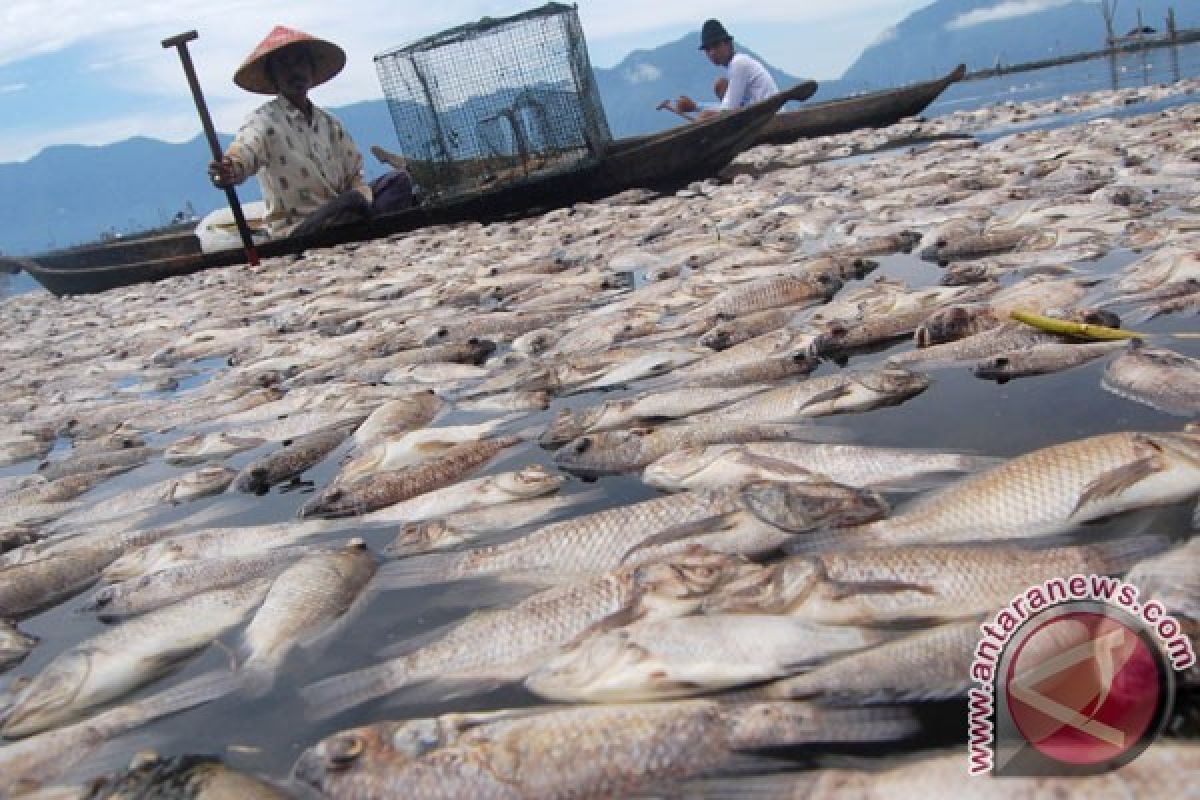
<point x="495" y="101"/>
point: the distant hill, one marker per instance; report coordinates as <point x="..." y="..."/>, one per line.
<point x="984" y="33"/>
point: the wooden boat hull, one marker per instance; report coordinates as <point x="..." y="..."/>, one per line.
<point x="875" y="110"/>
<point x="672" y="158"/>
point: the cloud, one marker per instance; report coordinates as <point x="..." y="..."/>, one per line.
<point x="643" y="73"/>
<point x="886" y="35"/>
<point x="1009" y="9"/>
<point x="9" y="88"/>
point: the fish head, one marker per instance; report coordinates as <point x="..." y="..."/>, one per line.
<point x="1096" y="316"/>
<point x="673" y="470"/>
<point x="767" y="590"/>
<point x="832" y="338"/>
<point x="201" y="483"/>
<point x="720" y="336"/>
<point x="533" y="480"/>
<point x="335" y="501"/>
<point x="143" y="560"/>
<point x="604" y="667"/>
<point x="478" y="350"/>
<point x="185" y="450"/>
<point x="600" y="453"/>
<point x="944" y="325"/>
<point x="677" y="583"/>
<point x="358" y="751"/>
<point x="895" y="383"/>
<point x="422" y="537"/>
<point x="803" y="507"/>
<point x="13" y="641"/>
<point x="964" y="274"/>
<point x="568" y="424"/>
<point x="50" y="697"/>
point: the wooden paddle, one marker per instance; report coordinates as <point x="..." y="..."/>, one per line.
<point x="180" y="43"/>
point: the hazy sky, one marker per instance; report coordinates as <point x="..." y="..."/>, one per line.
<point x="86" y="72"/>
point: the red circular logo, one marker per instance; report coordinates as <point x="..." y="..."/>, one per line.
<point x="1084" y="688"/>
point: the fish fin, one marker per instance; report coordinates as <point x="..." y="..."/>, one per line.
<point x="761" y="784"/>
<point x="821" y="540"/>
<point x="841" y="390"/>
<point x="775" y="465"/>
<point x="338" y="693"/>
<point x="1118" y="480"/>
<point x="618" y="619"/>
<point x="842" y="590"/>
<point x="1115" y="557"/>
<point x="707" y="525"/>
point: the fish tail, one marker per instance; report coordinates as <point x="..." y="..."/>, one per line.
<point x="421" y="570"/>
<point x="333" y="695"/>
<point x="191" y="693"/>
<point x="1117" y="556"/>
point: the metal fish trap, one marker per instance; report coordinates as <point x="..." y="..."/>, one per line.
<point x="495" y="102"/>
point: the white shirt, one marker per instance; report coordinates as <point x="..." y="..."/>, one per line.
<point x="301" y="165"/>
<point x="749" y="82"/>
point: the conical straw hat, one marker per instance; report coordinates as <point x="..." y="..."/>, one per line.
<point x="328" y="59"/>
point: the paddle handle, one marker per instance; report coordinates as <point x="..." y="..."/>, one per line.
<point x="179" y="42"/>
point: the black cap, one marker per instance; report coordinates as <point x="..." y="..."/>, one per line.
<point x="712" y="33"/>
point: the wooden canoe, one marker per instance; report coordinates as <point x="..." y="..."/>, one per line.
<point x="669" y="159"/>
<point x="874" y="110"/>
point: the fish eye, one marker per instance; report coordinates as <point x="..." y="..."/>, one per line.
<point x="583" y="444"/>
<point x="343" y="750"/>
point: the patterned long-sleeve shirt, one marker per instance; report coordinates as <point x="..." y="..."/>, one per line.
<point x="301" y="165"/>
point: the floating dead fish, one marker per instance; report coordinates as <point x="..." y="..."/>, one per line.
<point x="1160" y="378"/>
<point x="293" y="459"/>
<point x="1042" y="359"/>
<point x="587" y="752"/>
<point x="665" y="659"/>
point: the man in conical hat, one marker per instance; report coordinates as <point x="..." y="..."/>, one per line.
<point x="310" y="169"/>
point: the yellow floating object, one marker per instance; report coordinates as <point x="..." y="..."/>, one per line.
<point x="1080" y="330"/>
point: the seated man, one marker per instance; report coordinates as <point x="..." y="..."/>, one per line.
<point x="310" y="169"/>
<point x="748" y="81"/>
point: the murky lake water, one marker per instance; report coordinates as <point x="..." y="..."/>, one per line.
<point x="266" y="734"/>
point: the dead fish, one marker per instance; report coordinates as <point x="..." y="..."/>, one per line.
<point x="570" y="423"/>
<point x="586" y="752"/>
<point x="794" y="292"/>
<point x="494" y="647"/>
<point x="304" y="601"/>
<point x="406" y="413"/>
<point x="119" y="660"/>
<point x="472" y="495"/>
<point x="957" y="322"/>
<point x="174" y="583"/>
<point x="1161" y="771"/>
<point x="727" y="333"/>
<point x="197" y="448"/>
<point x="1048" y="491"/>
<point x="508" y="401"/>
<point x="412" y="447"/>
<point x="976" y="246"/>
<point x="465" y="527"/>
<point x="382" y="489"/>
<point x="30" y="587"/>
<point x="125" y="459"/>
<point x="1001" y="339"/>
<point x="838" y="393"/>
<point x="609" y="452"/>
<point x="214" y="543"/>
<point x="185" y="777"/>
<point x="293" y="458"/>
<point x="753" y="519"/>
<point x="662" y="659"/>
<point x="906" y="585"/>
<point x="932" y="664"/>
<point x="1157" y="377"/>
<point x="717" y="466"/>
<point x="1041" y="359"/>
<point x="22" y="448"/>
<point x="14" y="645"/>
<point x="648" y="365"/>
<point x="198" y="483"/>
